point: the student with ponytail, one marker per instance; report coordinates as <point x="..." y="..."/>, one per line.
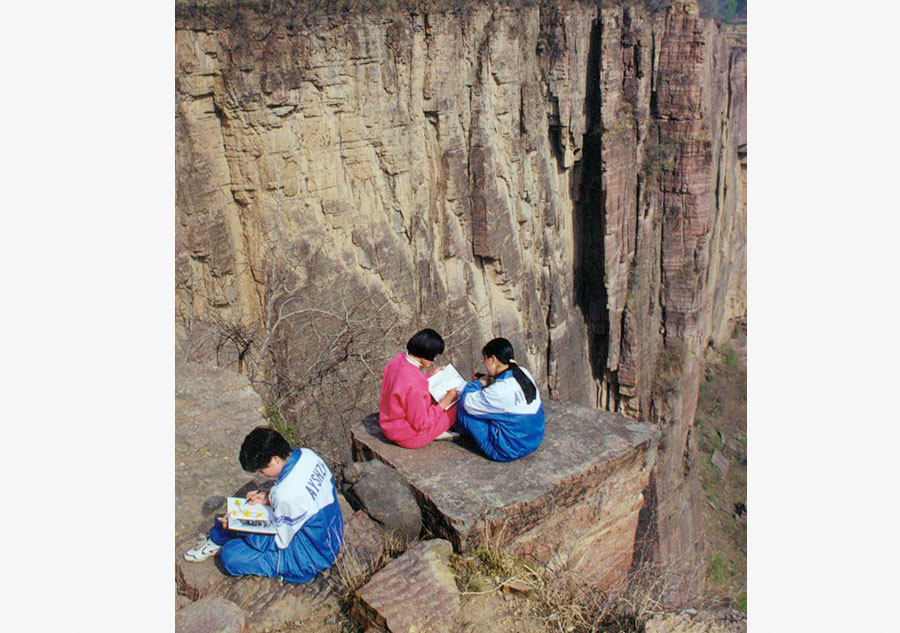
<point x="504" y="416"/>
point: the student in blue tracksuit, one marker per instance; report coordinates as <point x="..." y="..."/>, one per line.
<point x="308" y="522"/>
<point x="502" y="411"/>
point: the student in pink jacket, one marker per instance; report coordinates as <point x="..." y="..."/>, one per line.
<point x="406" y="413"/>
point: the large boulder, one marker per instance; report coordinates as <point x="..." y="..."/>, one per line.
<point x="574" y="502"/>
<point x="415" y="592"/>
<point x="385" y="496"/>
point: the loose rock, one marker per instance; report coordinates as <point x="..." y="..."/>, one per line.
<point x="422" y="576"/>
<point x="211" y="615"/>
<point x="384" y="495"/>
<point x="719" y="461"/>
<point x="691" y="621"/>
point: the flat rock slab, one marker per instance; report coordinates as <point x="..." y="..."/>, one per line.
<point x="211" y="615"/>
<point x="412" y="594"/>
<point x="215" y="409"/>
<point x="574" y="502"/>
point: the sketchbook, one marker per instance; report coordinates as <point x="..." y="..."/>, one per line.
<point x="248" y="517"/>
<point x="440" y="382"/>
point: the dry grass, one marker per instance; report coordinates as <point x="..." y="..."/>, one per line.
<point x="354" y="570"/>
<point x="562" y="601"/>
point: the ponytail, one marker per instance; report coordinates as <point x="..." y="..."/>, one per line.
<point x="528" y="387"/>
<point x="502" y="350"/>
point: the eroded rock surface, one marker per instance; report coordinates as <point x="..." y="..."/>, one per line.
<point x="568" y="176"/>
<point x="385" y="496"/>
<point x="693" y="621"/>
<point x="415" y="592"/>
<point x="574" y="502"/>
<point x="215" y="409"/>
<point x="211" y="615"/>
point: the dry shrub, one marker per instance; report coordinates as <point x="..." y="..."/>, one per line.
<point x="354" y="570"/>
<point x="565" y="601"/>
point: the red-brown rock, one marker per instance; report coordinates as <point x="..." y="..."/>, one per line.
<point x="573" y="502"/>
<point x="416" y="592"/>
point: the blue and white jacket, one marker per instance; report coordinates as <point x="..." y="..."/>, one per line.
<point x="307" y="516"/>
<point x="498" y="418"/>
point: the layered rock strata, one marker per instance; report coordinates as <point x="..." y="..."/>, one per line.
<point x="415" y="592"/>
<point x="569" y="176"/>
<point x="573" y="503"/>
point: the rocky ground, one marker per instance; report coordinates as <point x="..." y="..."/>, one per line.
<point x="720" y="433"/>
<point x="376" y="585"/>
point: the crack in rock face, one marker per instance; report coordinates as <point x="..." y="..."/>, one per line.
<point x="572" y="178"/>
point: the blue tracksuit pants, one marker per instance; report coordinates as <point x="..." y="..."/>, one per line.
<point x="240" y="557"/>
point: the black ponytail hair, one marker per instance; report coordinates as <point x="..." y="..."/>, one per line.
<point x="502" y="350"/>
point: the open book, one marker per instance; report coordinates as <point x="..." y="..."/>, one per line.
<point x="440" y="382"/>
<point x="248" y="517"/>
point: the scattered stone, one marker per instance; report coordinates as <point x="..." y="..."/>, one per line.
<point x="385" y="496"/>
<point x="577" y="498"/>
<point x="213" y="504"/>
<point x="211" y="615"/>
<point x="719" y="461"/>
<point x="415" y="592"/>
<point x="364" y="544"/>
<point x="516" y="586"/>
<point x="691" y="621"/>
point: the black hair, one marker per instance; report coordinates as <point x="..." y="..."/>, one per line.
<point x="502" y="350"/>
<point x="425" y="344"/>
<point x="260" y="446"/>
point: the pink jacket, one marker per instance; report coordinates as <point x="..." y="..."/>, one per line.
<point x="407" y="413"/>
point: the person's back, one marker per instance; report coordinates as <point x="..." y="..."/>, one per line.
<point x="505" y="417"/>
<point x="307" y="516"/>
<point x="406" y="412"/>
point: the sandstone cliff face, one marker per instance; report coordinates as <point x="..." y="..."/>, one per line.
<point x="569" y="176"/>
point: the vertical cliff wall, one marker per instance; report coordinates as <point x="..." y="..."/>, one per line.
<point x="568" y="175"/>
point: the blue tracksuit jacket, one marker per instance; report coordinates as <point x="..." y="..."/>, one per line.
<point x="310" y="528"/>
<point x="503" y="425"/>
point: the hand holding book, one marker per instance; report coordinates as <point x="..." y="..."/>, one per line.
<point x="445" y="382"/>
<point x="449" y="398"/>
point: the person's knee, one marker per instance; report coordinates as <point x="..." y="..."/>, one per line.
<point x="239" y="559"/>
<point x="234" y="557"/>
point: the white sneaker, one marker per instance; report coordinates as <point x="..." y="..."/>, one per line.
<point x="202" y="550"/>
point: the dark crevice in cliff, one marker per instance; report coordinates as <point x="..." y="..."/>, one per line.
<point x="589" y="221"/>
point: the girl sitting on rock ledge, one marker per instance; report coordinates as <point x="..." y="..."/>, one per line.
<point x="406" y="413"/>
<point x="502" y="411"/>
